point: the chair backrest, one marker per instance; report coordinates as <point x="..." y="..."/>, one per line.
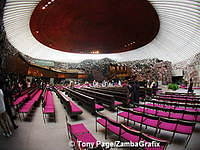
<point x="136" y="113"/>
<point x="169" y="120"/>
<point x="113" y="122"/>
<point x="186" y="123"/>
<point x="122" y="109"/>
<point x="153" y="117"/>
<point x="150" y="139"/>
<point x="131" y="131"/>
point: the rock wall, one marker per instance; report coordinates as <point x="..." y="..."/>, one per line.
<point x="152" y="69"/>
<point x="192" y="70"/>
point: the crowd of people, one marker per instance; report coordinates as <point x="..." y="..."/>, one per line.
<point x="10" y="84"/>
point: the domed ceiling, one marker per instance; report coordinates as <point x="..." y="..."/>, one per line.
<point x="40" y="30"/>
<point x="100" y="26"/>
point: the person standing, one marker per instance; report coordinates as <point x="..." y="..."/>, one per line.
<point x="4" y="122"/>
<point x="8" y="104"/>
<point x="133" y="92"/>
<point x="190" y="90"/>
<point x="136" y="87"/>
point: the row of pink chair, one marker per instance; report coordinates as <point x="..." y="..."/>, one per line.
<point x="16" y="95"/>
<point x="48" y="105"/>
<point x="159" y="123"/>
<point x="69" y="105"/>
<point x="169" y="112"/>
<point x="27" y="107"/>
<point x="25" y="96"/>
<point x="180" y="96"/>
<point x="174" y="105"/>
<point x="78" y="132"/>
<point x="178" y="100"/>
<point x="127" y="133"/>
<point x="86" y="101"/>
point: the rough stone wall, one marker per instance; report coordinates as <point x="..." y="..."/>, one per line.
<point x="152" y="69"/>
<point x="192" y="70"/>
<point x="146" y="69"/>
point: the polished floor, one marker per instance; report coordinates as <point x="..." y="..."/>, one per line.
<point x="34" y="134"/>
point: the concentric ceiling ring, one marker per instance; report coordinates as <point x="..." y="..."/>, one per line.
<point x="178" y="38"/>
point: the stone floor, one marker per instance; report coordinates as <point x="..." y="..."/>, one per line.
<point x="37" y="135"/>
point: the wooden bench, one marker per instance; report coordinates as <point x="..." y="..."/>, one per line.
<point x="48" y="107"/>
<point x="122" y="97"/>
<point x="27" y="107"/>
<point x="101" y="98"/>
<point x="22" y="99"/>
<point x="86" y="101"/>
<point x="69" y="105"/>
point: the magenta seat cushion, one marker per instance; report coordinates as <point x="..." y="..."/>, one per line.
<point x="135" y="118"/>
<point x="167" y="126"/>
<point x="123" y="114"/>
<point x="189" y="117"/>
<point x="184" y="129"/>
<point x="130" y="137"/>
<point x="78" y="128"/>
<point x="26" y="108"/>
<point x="139" y="109"/>
<point x="198" y="118"/>
<point x="114" y="129"/>
<point x="75" y="108"/>
<point x="86" y="137"/>
<point x="20" y="99"/>
<point x="97" y="106"/>
<point x="150" y="122"/>
<point x="116" y="103"/>
<point x="162" y="113"/>
<point x="176" y="115"/>
<point x="180" y="108"/>
<point x="102" y="121"/>
<point x="150" y="111"/>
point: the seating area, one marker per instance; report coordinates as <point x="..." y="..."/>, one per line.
<point x="119" y="96"/>
<point x="101" y="98"/>
<point x="179" y="100"/>
<point x="33" y="99"/>
<point x="48" y="107"/>
<point x="158" y="122"/>
<point x="72" y="109"/>
<point x="169" y="112"/>
<point x="127" y="133"/>
<point x="26" y="95"/>
<point x="87" y="101"/>
<point x="79" y="133"/>
<point x="181" y="103"/>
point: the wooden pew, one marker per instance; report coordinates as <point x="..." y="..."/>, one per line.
<point x="69" y="105"/>
<point x="86" y="101"/>
<point x="122" y="97"/>
<point x="101" y="98"/>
